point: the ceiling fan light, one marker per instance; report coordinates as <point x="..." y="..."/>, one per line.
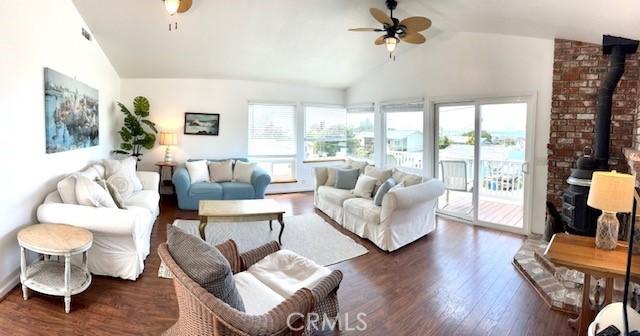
<point x="171" y="6"/>
<point x="391" y="42"/>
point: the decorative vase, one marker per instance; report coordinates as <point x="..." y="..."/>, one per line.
<point x="607" y="231"/>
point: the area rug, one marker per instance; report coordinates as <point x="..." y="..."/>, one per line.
<point x="308" y="235"/>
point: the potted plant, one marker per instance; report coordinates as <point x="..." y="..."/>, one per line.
<point x="134" y="134"/>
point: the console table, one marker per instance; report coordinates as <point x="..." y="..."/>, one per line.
<point x="580" y="253"/>
<point x="50" y="275"/>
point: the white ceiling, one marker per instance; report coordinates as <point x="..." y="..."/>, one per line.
<point x="307" y="42"/>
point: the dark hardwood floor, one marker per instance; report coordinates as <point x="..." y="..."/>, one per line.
<point x="457" y="280"/>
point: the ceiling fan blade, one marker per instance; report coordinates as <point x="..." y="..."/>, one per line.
<point x="184" y="6"/>
<point x="380" y="40"/>
<point x="381" y="16"/>
<point x="366" y="29"/>
<point x="416" y="24"/>
<point x="415" y="38"/>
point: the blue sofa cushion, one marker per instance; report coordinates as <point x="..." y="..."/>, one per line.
<point x="208" y="189"/>
<point x="237" y="190"/>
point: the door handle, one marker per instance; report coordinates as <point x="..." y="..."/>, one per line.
<point x="525" y="168"/>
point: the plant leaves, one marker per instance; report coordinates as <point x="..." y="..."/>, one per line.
<point x="132" y="123"/>
<point x="151" y="124"/>
<point x="126" y="146"/>
<point x="125" y="134"/>
<point x="141" y="106"/>
<point x="118" y="151"/>
<point x="149" y="141"/>
<point x="124" y="109"/>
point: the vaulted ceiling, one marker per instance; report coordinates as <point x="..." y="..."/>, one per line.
<point x="307" y="42"/>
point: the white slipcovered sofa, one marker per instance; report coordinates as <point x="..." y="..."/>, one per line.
<point x="406" y="214"/>
<point x="121" y="237"/>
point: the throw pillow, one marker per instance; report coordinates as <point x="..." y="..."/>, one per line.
<point x="113" y="192"/>
<point x="360" y="165"/>
<point x="125" y="169"/>
<point x="67" y="190"/>
<point x="346" y="178"/>
<point x="205" y="265"/>
<point x="90" y="193"/>
<point x="221" y="171"/>
<point x="381" y="175"/>
<point x="198" y="171"/>
<point x="397" y="187"/>
<point x="122" y="185"/>
<point x="383" y="190"/>
<point x="364" y="186"/>
<point x="242" y="171"/>
<point x="407" y="178"/>
<point x="331" y="175"/>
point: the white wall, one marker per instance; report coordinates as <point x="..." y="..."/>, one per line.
<point x="473" y="65"/>
<point x="171" y="98"/>
<point x="38" y="34"/>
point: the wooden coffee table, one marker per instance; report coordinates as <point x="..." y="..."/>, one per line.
<point x="49" y="276"/>
<point x="240" y="211"/>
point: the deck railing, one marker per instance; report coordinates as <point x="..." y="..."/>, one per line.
<point x="503" y="179"/>
<point x="405" y="159"/>
<point x="497" y="178"/>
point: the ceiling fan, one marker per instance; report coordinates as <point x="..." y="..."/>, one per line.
<point x="176" y="6"/>
<point x="407" y="30"/>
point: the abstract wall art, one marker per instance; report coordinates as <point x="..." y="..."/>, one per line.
<point x="71" y="113"/>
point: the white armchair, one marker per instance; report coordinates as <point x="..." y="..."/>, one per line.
<point x="121" y="237"/>
<point x="406" y="214"/>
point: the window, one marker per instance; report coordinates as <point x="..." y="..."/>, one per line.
<point x="272" y="139"/>
<point x="335" y="132"/>
<point x="360" y="132"/>
<point x="325" y="135"/>
<point x="404" y="136"/>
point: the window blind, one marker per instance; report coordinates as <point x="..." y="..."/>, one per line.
<point x="407" y="105"/>
<point x="361" y="108"/>
<point x="272" y="130"/>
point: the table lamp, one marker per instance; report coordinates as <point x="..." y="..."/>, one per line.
<point x="168" y="139"/>
<point x="610" y="192"/>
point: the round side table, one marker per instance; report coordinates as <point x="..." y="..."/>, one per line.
<point x="50" y="275"/>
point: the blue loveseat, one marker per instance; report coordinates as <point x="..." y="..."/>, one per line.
<point x="189" y="195"/>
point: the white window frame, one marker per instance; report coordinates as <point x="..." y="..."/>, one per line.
<point x="273" y="159"/>
<point x="366" y="108"/>
<point x="304" y="129"/>
<point x="402" y="106"/>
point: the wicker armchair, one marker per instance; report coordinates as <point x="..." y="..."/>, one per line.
<point x="201" y="313"/>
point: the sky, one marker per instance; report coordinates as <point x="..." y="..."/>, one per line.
<point x="495" y="117"/>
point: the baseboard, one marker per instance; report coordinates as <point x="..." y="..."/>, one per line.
<point x="11" y="281"/>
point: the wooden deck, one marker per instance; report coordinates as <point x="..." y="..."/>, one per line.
<point x="491" y="210"/>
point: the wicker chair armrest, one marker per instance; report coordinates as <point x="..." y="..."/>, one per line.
<point x="253" y="256"/>
<point x="327" y="285"/>
<point x="229" y="250"/>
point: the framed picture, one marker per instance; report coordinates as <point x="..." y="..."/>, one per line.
<point x="201" y="123"/>
<point x="71" y="113"/>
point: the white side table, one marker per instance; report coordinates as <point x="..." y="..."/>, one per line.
<point x="50" y="275"/>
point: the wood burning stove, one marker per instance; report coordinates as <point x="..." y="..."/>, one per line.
<point x="578" y="216"/>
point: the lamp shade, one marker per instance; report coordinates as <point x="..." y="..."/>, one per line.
<point x="168" y="138"/>
<point x="171" y="6"/>
<point x="611" y="191"/>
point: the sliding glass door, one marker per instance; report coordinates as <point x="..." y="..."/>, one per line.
<point x="482" y="158"/>
<point x="456" y="125"/>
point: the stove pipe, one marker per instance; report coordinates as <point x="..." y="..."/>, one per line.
<point x="618" y="48"/>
